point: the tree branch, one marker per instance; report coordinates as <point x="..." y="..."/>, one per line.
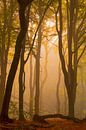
<point x="48" y="4"/>
<point x="79" y="45"/>
<point x="81" y="54"/>
<point x="57" y="20"/>
<point x="80" y="25"/>
<point x="82" y="33"/>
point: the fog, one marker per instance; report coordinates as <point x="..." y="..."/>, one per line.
<point x="48" y="96"/>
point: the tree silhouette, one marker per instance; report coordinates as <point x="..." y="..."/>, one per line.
<point x="23" y="25"/>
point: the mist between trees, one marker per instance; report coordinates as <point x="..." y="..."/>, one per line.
<point x="42" y="58"/>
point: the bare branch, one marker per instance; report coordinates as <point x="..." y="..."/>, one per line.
<point x="79" y="45"/>
<point x="48" y="4"/>
<point x="80" y="25"/>
<point x="81" y="34"/>
<point x="33" y="53"/>
<point x="82" y="40"/>
<point x="81" y="54"/>
<point x="57" y="20"/>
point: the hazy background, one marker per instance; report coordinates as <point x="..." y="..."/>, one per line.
<point x="48" y="97"/>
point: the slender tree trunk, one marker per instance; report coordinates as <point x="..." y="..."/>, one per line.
<point x="72" y="38"/>
<point x="65" y="101"/>
<point x="2" y="83"/>
<point x="45" y="74"/>
<point x="45" y="66"/>
<point x="21" y="83"/>
<point x="3" y="63"/>
<point x="31" y="88"/>
<point x="22" y="74"/>
<point x="57" y="92"/>
<point x="32" y="85"/>
<point x="37" y="93"/>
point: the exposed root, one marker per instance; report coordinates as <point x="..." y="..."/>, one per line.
<point x="42" y="118"/>
<point x="40" y="122"/>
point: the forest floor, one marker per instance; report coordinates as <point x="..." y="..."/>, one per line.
<point x="53" y="124"/>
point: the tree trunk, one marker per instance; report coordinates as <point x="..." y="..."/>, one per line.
<point x="21" y="83"/>
<point x="3" y="63"/>
<point x="71" y="87"/>
<point x="58" y="85"/>
<point x="71" y="102"/>
<point x="2" y="83"/>
<point x="45" y="74"/>
<point x="37" y="93"/>
<point x="72" y="38"/>
<point x="68" y="75"/>
<point x="31" y="89"/>
<point x="22" y="75"/>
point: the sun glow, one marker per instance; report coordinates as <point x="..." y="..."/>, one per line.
<point x="50" y="23"/>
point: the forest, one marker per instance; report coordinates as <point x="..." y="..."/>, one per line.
<point x="42" y="64"/>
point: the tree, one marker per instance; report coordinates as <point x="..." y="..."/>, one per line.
<point x="21" y="82"/>
<point x="23" y="24"/>
<point x="37" y="93"/>
<point x="70" y="71"/>
<point x="22" y="72"/>
<point x="6" y="34"/>
<point x="31" y="88"/>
